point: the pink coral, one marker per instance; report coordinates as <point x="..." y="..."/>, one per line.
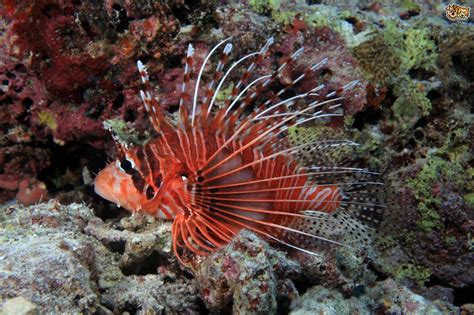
<point x="28" y="190"/>
<point x="31" y="191"/>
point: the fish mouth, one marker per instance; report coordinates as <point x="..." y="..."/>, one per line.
<point x="109" y="184"/>
<point x="117" y="187"/>
<point x="104" y="185"/>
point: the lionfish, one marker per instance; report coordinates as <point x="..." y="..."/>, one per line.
<point x="247" y="164"/>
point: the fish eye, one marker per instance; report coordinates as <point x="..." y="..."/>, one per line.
<point x="126" y="165"/>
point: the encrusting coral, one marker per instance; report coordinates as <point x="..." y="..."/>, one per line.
<point x="248" y="273"/>
<point x="49" y="259"/>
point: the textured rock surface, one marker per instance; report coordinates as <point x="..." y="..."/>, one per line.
<point x="249" y="273"/>
<point x="152" y="294"/>
<point x="56" y="258"/>
<point x="386" y="297"/>
<point x="137" y="238"/>
<point x="338" y="267"/>
<point x="47" y="258"/>
<point x="319" y="300"/>
<point x="20" y="306"/>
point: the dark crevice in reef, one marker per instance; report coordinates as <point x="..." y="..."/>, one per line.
<point x="105" y="209"/>
<point x="72" y="158"/>
<point x="381" y="276"/>
<point x="302" y="285"/>
<point x="284" y="304"/>
<point x="370" y="116"/>
<point x="118" y="101"/>
<point x="95" y="110"/>
<point x="131" y="308"/>
<point x="201" y="307"/>
<point x="195" y="12"/>
<point x="116" y="246"/>
<point x="228" y="308"/>
<point x="420" y="74"/>
<point x="64" y="176"/>
<point x="463" y="295"/>
<point x="130" y="115"/>
<point x="148" y="266"/>
<point x="463" y="65"/>
<point x="174" y="61"/>
<point x="172" y="109"/>
<point x="122" y="20"/>
<point x="435" y="281"/>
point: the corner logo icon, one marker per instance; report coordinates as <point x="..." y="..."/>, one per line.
<point x="456" y="12"/>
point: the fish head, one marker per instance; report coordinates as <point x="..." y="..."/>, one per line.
<point x="114" y="184"/>
<point x="139" y="185"/>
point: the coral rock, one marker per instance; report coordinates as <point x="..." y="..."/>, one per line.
<point x="153" y="294"/>
<point x="18" y="306"/>
<point x="31" y="191"/>
<point x="245" y="272"/>
<point x="385" y="298"/>
<point x="47" y="258"/>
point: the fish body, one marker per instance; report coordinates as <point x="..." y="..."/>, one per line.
<point x="219" y="170"/>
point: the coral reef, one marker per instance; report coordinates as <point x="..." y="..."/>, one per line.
<point x="387" y="297"/>
<point x="28" y="190"/>
<point x="67" y="69"/>
<point x="152" y="294"/>
<point x="249" y="273"/>
<point x="341" y="268"/>
<point x="19" y="305"/>
<point x="46" y="261"/>
<point x="140" y="239"/>
<point x="53" y="265"/>
<point x="319" y="300"/>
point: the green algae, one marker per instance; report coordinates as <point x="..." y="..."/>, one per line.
<point x="429" y="219"/>
<point x="413" y="45"/>
<point x="455" y="148"/>
<point x="469" y="200"/>
<point x="449" y="240"/>
<point x="125" y="133"/>
<point x="419" y="52"/>
<point x="371" y="147"/>
<point x="386" y="55"/>
<point x="225" y="93"/>
<point x="410" y="106"/>
<point x="417" y="273"/>
<point x="410" y="5"/>
<point x="469" y="187"/>
<point x="48" y="119"/>
<point x="423" y="185"/>
<point x="413" y="49"/>
<point x="261" y="6"/>
<point x="317" y="16"/>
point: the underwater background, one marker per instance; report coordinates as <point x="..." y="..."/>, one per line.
<point x="66" y="67"/>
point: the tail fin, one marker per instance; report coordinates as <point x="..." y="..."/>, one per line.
<point x="367" y="196"/>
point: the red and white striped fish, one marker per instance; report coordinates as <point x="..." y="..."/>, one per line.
<point x="224" y="168"/>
